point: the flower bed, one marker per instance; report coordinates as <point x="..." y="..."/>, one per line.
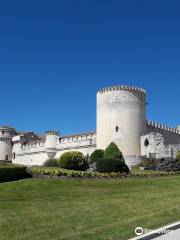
<point x="59" y="172"/>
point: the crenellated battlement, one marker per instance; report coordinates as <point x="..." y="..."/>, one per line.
<point x="78" y="137"/>
<point x="5" y="138"/>
<point x="122" y="87"/>
<point x="35" y="144"/>
<point x="62" y="140"/>
<point x="52" y="132"/>
<point x="163" y="127"/>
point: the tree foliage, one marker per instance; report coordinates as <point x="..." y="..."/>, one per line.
<point x="96" y="155"/>
<point x="112" y="151"/>
<point x="73" y="160"/>
<point x="112" y="160"/>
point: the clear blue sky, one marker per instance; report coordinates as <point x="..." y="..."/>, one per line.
<point x="55" y="55"/>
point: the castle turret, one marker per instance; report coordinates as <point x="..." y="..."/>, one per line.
<point x="52" y="139"/>
<point x="121" y="118"/>
<point x="6" y="134"/>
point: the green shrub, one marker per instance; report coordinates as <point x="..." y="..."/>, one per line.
<point x="136" y="167"/>
<point x="73" y="160"/>
<point x="178" y="155"/>
<point x="169" y="164"/>
<point x="12" y="173"/>
<point x="112" y="160"/>
<point x="106" y="165"/>
<point x="150" y="163"/>
<point x="97" y="154"/>
<point x="112" y="151"/>
<point x="51" y="163"/>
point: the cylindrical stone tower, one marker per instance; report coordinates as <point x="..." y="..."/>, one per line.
<point x="6" y="134"/>
<point x="121" y="118"/>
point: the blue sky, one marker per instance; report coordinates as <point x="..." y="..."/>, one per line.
<point x="55" y="55"/>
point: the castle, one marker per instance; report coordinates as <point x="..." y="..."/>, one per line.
<point x="121" y="118"/>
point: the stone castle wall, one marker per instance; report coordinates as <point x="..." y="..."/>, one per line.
<point x="171" y="135"/>
<point x="160" y="141"/>
<point x="36" y="153"/>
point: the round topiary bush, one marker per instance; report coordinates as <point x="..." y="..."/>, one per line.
<point x="51" y="163"/>
<point x="73" y="160"/>
<point x="105" y="165"/>
<point x="112" y="151"/>
<point x="96" y="155"/>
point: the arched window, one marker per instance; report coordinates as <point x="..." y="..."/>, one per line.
<point x="117" y="128"/>
<point x="146" y="142"/>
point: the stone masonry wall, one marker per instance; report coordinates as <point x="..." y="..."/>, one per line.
<point x="155" y="144"/>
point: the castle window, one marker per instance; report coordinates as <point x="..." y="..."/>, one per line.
<point x="2" y="132"/>
<point x="6" y="157"/>
<point x="14" y="155"/>
<point x="117" y="129"/>
<point x="146" y="142"/>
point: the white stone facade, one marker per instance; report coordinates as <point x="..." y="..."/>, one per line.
<point x="36" y="153"/>
<point x="121" y="118"/>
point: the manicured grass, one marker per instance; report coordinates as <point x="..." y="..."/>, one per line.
<point x="44" y="209"/>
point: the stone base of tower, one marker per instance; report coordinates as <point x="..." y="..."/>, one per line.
<point x="132" y="160"/>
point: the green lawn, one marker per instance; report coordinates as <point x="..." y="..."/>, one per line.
<point x="42" y="209"/>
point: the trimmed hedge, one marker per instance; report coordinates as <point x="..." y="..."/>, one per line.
<point x="73" y="161"/>
<point x="111" y="165"/>
<point x="58" y="172"/>
<point x="96" y="155"/>
<point x="11" y="173"/>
